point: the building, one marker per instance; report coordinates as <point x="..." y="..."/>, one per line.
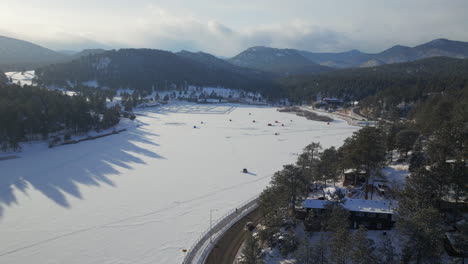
<point x="373" y="214"/>
<point x="333" y="101"/>
<point x="353" y="177"/>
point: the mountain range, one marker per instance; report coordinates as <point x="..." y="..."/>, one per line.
<point x="292" y="61"/>
<point x="143" y="69"/>
<point x="279" y="61"/>
<point x="22" y="55"/>
<point x="19" y="55"/>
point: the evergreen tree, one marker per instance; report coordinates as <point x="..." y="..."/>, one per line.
<point x="364" y="150"/>
<point x="362" y="251"/>
<point x="328" y="165"/>
<point x="320" y="250"/>
<point x="292" y="183"/>
<point x="304" y="253"/>
<point x="308" y="161"/>
<point x="252" y="252"/>
<point x="423" y="232"/>
<point x="340" y="244"/>
<point x="336" y="218"/>
<point x="405" y="140"/>
<point x="386" y="252"/>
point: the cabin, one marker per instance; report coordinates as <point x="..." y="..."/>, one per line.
<point x="332" y="101"/>
<point x="354" y="177"/>
<point x="372" y="214"/>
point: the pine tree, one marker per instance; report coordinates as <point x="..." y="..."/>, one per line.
<point x="362" y="251"/>
<point x="340" y="241"/>
<point x="304" y="253"/>
<point x="337" y="217"/>
<point x="339" y="246"/>
<point x="252" y="253"/>
<point x="327" y="167"/>
<point x="386" y="252"/>
<point x="423" y="231"/>
<point x="291" y="182"/>
<point x="405" y="140"/>
<point x="320" y="250"/>
<point x="365" y="150"/>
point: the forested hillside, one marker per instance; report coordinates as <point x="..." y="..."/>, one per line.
<point x="279" y="61"/>
<point x="143" y="69"/>
<point x="384" y="88"/>
<point x="3" y="78"/>
<point x="33" y="113"/>
<point x="292" y="62"/>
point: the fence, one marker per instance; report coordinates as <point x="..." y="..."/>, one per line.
<point x="202" y="247"/>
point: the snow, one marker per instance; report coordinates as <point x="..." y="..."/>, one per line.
<point x="395" y="175"/>
<point x="24" y="78"/>
<point x="355" y="205"/>
<point x="144" y="195"/>
<point x="368" y="206"/>
<point x="91" y="83"/>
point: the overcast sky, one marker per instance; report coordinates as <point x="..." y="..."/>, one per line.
<point x="228" y="27"/>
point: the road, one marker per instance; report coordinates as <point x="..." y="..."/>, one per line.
<point x="227" y="247"/>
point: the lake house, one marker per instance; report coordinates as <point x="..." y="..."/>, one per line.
<point x="373" y="214"/>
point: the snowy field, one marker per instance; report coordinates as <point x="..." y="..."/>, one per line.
<point x="144" y="195"/>
<point x="21" y="78"/>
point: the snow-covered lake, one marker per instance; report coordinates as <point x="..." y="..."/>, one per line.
<point x="143" y="195"/>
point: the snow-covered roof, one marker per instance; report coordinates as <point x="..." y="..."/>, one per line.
<point x="314" y="203"/>
<point x="348" y="171"/>
<point x="355" y="205"/>
<point x="368" y="206"/>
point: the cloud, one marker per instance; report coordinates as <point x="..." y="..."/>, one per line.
<point x="226" y="28"/>
<point x="161" y="29"/>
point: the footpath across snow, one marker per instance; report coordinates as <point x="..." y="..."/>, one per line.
<point x="144" y="195"/>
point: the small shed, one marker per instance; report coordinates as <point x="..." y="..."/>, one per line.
<point x="353" y="177"/>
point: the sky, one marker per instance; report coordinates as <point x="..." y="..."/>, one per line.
<point x="225" y="28"/>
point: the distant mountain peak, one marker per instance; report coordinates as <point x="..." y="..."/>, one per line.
<point x="279" y="61"/>
<point x="353" y="51"/>
<point x="18" y="54"/>
<point x="399" y="47"/>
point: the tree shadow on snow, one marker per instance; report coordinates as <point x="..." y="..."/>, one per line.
<point x="59" y="171"/>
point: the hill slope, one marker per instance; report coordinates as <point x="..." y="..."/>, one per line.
<point x="86" y="52"/>
<point x="17" y="54"/>
<point x="395" y="54"/>
<point x="347" y="59"/>
<point x="279" y="61"/>
<point x="3" y="78"/>
<point x="412" y="80"/>
<point x="143" y="69"/>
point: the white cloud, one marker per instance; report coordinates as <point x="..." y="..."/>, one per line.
<point x="226" y="28"/>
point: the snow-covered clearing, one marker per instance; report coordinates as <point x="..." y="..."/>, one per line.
<point x="143" y="195"/>
<point x="23" y="78"/>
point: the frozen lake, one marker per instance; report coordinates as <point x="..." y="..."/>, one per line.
<point x="143" y="195"/>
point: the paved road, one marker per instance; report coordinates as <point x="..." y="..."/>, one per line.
<point x="227" y="247"/>
<point x="200" y="247"/>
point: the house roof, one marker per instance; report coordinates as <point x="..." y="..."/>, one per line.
<point x="355" y="205"/>
<point x="349" y="171"/>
